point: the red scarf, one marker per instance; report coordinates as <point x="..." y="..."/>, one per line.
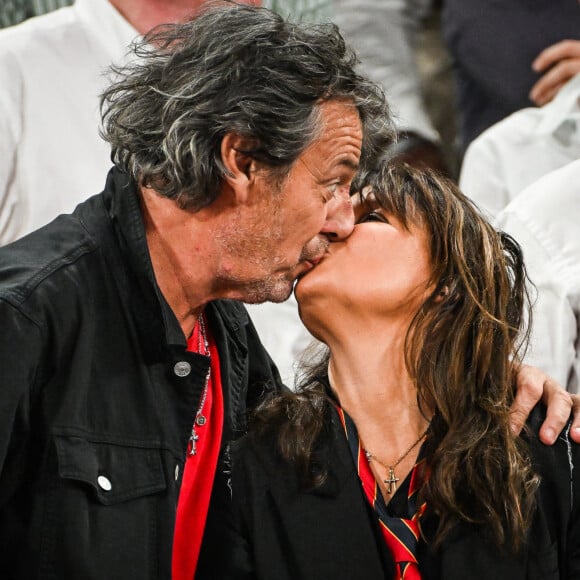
<point x="199" y="473"/>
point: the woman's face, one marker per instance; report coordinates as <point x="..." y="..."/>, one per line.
<point x="382" y="270"/>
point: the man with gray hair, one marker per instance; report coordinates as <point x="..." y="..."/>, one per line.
<point x="127" y="361"/>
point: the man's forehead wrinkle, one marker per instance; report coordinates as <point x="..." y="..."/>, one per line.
<point x="345" y="160"/>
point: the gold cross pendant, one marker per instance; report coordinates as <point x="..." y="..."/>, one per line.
<point x="391" y="481"/>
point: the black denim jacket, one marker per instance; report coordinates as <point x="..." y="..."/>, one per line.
<point x="94" y="421"/>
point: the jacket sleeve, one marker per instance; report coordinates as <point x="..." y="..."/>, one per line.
<point x="20" y="353"/>
<point x="558" y="513"/>
<point x="573" y="547"/>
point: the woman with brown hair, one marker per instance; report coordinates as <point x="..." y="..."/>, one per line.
<point x="395" y="458"/>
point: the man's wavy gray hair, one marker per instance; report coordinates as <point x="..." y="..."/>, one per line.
<point x="233" y="68"/>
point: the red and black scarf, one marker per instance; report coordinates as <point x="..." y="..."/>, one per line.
<point x="401" y="534"/>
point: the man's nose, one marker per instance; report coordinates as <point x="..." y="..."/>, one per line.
<point x="340" y="218"/>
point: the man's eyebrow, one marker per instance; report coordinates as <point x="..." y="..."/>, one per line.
<point x="348" y="162"/>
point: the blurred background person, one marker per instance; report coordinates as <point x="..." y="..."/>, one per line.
<point x="52" y="72"/>
<point x="400" y="46"/>
<point x="499" y="51"/>
<point x="15" y="11"/>
<point x="521" y="148"/>
<point x="545" y="220"/>
<point x="503" y="55"/>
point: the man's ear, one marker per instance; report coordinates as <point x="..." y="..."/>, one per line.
<point x="240" y="166"/>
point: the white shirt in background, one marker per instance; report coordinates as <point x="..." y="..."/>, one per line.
<point x="545" y="220"/>
<point x="52" y="70"/>
<point x="518" y="150"/>
<point x="283" y="335"/>
<point x="383" y="33"/>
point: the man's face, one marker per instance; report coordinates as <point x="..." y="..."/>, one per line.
<point x="293" y="220"/>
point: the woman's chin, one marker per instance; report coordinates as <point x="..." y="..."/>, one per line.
<point x="299" y="286"/>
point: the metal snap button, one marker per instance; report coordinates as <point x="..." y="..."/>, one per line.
<point x="182" y="368"/>
<point x="104" y="483"/>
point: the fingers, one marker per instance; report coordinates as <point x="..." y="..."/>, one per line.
<point x="558" y="407"/>
<point x="530" y="382"/>
<point x="555" y="53"/>
<point x="549" y="84"/>
<point x="562" y="62"/>
<point x="575" y="429"/>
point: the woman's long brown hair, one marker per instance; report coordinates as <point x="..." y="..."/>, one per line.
<point x="462" y="352"/>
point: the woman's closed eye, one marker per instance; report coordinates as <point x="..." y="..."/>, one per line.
<point x="373" y="216"/>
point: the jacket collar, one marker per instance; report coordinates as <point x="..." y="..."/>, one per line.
<point x="123" y="205"/>
<point x="159" y="329"/>
<point x="152" y="314"/>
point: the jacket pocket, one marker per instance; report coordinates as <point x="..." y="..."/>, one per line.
<point x="106" y="512"/>
<point x="114" y="473"/>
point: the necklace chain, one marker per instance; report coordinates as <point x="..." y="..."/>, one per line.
<point x="202" y="337"/>
<point x="391" y="481"/>
<point x="200" y="419"/>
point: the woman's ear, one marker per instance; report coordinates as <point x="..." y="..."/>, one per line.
<point x="240" y="166"/>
